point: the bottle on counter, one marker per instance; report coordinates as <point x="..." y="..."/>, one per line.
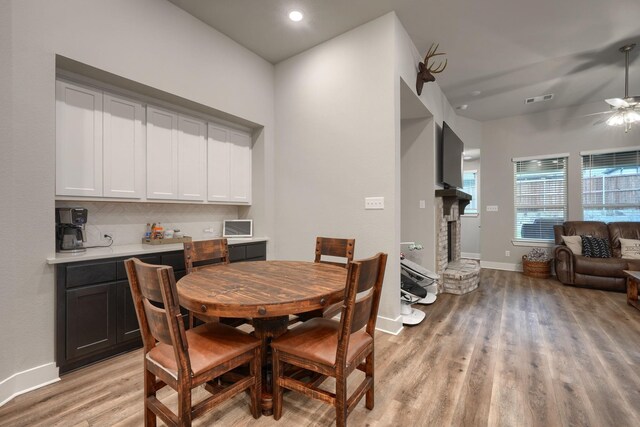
<point x="147" y="233"/>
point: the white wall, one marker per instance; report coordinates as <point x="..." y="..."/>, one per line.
<point x="470" y="223"/>
<point x="550" y="132"/>
<point x="147" y="41"/>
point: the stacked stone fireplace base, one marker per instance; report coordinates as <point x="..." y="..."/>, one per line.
<point x="457" y="275"/>
<point x="461" y="276"/>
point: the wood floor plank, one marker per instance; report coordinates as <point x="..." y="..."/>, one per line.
<point x="516" y="352"/>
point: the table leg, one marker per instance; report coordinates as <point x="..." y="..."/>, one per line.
<point x="632" y="292"/>
<point x="267" y="328"/>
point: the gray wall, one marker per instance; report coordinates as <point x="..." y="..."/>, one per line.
<point x="550" y="132"/>
<point x="336" y="146"/>
<point x="147" y="41"/>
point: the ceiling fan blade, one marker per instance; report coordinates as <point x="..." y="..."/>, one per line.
<point x="597" y="114"/>
<point x="599" y="122"/>
<point x="617" y="102"/>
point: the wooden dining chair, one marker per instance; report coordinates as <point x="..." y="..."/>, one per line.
<point x="204" y="253"/>
<point x="186" y="359"/>
<point x="329" y="246"/>
<point x="334" y="348"/>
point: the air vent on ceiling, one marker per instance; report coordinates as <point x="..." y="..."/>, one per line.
<point x="540" y="98"/>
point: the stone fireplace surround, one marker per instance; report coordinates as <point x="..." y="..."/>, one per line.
<point x="457" y="275"/>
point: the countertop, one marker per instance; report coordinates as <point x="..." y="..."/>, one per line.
<point x="129" y="250"/>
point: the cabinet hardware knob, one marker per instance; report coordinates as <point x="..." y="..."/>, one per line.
<point x="323" y="301"/>
<point x="203" y="308"/>
<point x="262" y="311"/>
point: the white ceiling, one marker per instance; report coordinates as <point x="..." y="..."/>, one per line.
<point x="508" y="50"/>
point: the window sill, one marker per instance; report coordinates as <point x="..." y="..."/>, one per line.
<point x="470" y="215"/>
<point x="533" y="243"/>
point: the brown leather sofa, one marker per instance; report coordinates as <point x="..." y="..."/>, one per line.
<point x="596" y="273"/>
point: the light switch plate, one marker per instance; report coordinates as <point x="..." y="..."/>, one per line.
<point x="423" y="204"/>
<point x="374" y="202"/>
<point x="492" y="208"/>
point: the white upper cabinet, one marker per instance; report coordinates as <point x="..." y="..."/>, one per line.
<point x="78" y="140"/>
<point x="218" y="171"/>
<point x="124" y="148"/>
<point x="162" y="154"/>
<point x="240" y="163"/>
<point x="192" y="159"/>
<point x="228" y="165"/>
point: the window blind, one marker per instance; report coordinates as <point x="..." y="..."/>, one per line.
<point x="539" y="197"/>
<point x="611" y="186"/>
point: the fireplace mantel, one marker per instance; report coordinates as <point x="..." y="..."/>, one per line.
<point x="451" y="196"/>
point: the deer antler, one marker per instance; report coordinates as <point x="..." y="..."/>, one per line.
<point x="426" y="71"/>
<point x="430" y="54"/>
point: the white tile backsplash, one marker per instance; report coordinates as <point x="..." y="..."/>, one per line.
<point x="127" y="221"/>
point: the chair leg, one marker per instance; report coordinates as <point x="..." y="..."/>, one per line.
<point x="341" y="400"/>
<point x="256" y="388"/>
<point x="149" y="391"/>
<point x="369" y="372"/>
<point x="191" y="320"/>
<point x="184" y="404"/>
<point x="277" y="390"/>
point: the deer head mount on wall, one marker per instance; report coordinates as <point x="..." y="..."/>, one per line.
<point x="426" y="71"/>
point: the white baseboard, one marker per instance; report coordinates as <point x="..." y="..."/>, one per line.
<point x="469" y="255"/>
<point x="31" y="379"/>
<point x="389" y="326"/>
<point x="501" y="266"/>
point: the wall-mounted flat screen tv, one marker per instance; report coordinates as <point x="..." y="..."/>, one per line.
<point x="451" y="158"/>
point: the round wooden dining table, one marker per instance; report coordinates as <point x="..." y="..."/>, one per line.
<point x="265" y="291"/>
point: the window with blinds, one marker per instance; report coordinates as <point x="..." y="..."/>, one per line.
<point x="539" y="196"/>
<point x="470" y="186"/>
<point x="611" y="186"/>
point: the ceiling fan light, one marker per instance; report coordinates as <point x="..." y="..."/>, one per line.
<point x="631" y="116"/>
<point x="615" y="120"/>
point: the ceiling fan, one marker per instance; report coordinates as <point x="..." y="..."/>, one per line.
<point x="627" y="109"/>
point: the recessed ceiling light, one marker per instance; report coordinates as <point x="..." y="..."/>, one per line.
<point x="296" y="15"/>
<point x="467" y="157"/>
<point x="462" y="107"/>
<point x="476" y="93"/>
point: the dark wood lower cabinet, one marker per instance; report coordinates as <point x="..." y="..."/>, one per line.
<point x="95" y="316"/>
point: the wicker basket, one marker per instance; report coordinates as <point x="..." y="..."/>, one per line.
<point x="537" y="269"/>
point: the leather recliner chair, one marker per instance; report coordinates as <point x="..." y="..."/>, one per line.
<point x="597" y="273"/>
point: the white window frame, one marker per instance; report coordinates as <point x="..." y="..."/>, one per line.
<point x="625" y="154"/>
<point x="469" y="211"/>
<point x="520" y="241"/>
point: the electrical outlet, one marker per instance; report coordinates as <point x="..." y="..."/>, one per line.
<point x="374" y="202"/>
<point x="107" y="236"/>
<point x="507" y="253"/>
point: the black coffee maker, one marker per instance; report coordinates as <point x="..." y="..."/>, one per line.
<point x="70" y="229"/>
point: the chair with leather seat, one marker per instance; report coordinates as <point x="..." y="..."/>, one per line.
<point x="334" y="348"/>
<point x="183" y="359"/>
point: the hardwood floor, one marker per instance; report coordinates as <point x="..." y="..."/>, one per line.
<point x="515" y="352"/>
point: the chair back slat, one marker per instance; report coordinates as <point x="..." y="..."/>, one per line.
<point x="362" y="298"/>
<point x="158" y="323"/>
<point x="205" y="252"/>
<point x="328" y="246"/>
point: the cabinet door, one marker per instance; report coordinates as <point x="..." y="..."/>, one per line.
<point x="124" y="148"/>
<point x="162" y="154"/>
<point x="218" y="158"/>
<point x="91" y="319"/>
<point x="240" y="164"/>
<point x="192" y="158"/>
<point x="78" y="140"/>
<point x="128" y="327"/>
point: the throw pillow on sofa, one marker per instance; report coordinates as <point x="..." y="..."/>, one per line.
<point x="630" y="248"/>
<point x="595" y="247"/>
<point x="574" y="243"/>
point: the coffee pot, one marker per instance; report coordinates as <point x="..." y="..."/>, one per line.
<point x="70" y="232"/>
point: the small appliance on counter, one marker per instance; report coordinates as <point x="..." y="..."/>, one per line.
<point x="70" y="223"/>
